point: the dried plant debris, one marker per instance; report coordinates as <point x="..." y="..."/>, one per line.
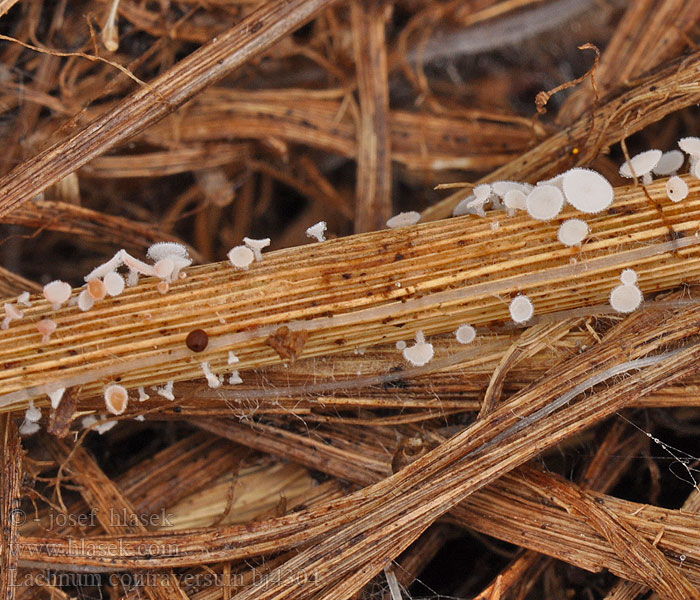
<point x="229" y="372"/>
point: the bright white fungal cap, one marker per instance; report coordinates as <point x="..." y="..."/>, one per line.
<point x="116" y="399"/>
<point x="166" y="250"/>
<point x="544" y="202"/>
<point x="465" y="334"/>
<point x="628" y="276"/>
<point x="626" y="298"/>
<point x="676" y="189"/>
<point x="164" y="267"/>
<point x="57" y="292"/>
<point x="670" y="162"/>
<point x="241" y="257"/>
<point x="587" y="190"/>
<point x="29" y="428"/>
<point x="256" y="246"/>
<point x="85" y="301"/>
<point x="642" y="164"/>
<point x="482" y="191"/>
<point x="403" y="219"/>
<point x="690" y="145"/>
<point x="401" y="345"/>
<point x="573" y="231"/>
<point x="521" y="309"/>
<point x="515" y="199"/>
<point x="114" y="283"/>
<point x="462" y="208"/>
<point x="501" y="188"/>
<point x="33" y="414"/>
<point x="317" y="231"/>
<point x="420" y="353"/>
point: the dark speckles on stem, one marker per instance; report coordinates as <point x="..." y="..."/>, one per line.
<point x="398" y="256"/>
<point x="347" y="276"/>
<point x="197" y="340"/>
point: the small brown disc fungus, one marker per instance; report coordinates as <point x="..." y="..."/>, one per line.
<point x="197" y="340"/>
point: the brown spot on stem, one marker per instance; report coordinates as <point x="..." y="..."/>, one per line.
<point x="288" y="344"/>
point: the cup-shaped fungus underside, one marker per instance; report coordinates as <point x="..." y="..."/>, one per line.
<point x="587" y="191"/>
<point x="116" y="399"/>
<point x="572" y="232"/>
<point x="544" y="202"/>
<point x="521" y="309"/>
<point x="641" y="164"/>
<point x="676" y="189"/>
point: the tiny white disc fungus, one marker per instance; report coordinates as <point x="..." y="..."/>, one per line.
<point x="676" y="189"/>
<point x="420" y="353"/>
<point x="85" y="301"/>
<point x="111" y="265"/>
<point x="241" y="257"/>
<point x="521" y="309"/>
<point x="641" y="165"/>
<point x="317" y="231"/>
<point x="116" y="398"/>
<point x="234" y="379"/>
<point x="482" y="191"/>
<point x="32" y="414"/>
<point x="403" y="219"/>
<point x="166" y="391"/>
<point x="46" y="327"/>
<point x="257" y="246"/>
<point x="626" y="298"/>
<point x="12" y="313"/>
<point x="232" y="358"/>
<point x="114" y="283"/>
<point x="544" y="202"/>
<point x="628" y="276"/>
<point x="163" y="287"/>
<point x="465" y="334"/>
<point x="669" y="163"/>
<point x="572" y="232"/>
<point x="501" y="188"/>
<point x="29" y="428"/>
<point x="463" y="207"/>
<point x="212" y="380"/>
<point x="23" y="299"/>
<point x="401" y="345"/>
<point x="105" y="426"/>
<point x="690" y="145"/>
<point x="96" y="288"/>
<point x="57" y="293"/>
<point x="587" y="190"/>
<point x="56" y="396"/>
<point x="515" y="200"/>
<point x="163" y="250"/>
<point x="164" y="267"/>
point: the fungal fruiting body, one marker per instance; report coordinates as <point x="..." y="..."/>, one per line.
<point x="32" y="416"/>
<point x="676" y="189"/>
<point x="111" y="265"/>
<point x="641" y="165"/>
<point x="669" y="163"/>
<point x="166" y="391"/>
<point x="96" y="288"/>
<point x="234" y="378"/>
<point x="401" y="345"/>
<point x="627" y="297"/>
<point x="241" y="257"/>
<point x="114" y="283"/>
<point x="46" y="327"/>
<point x="23" y="299"/>
<point x="28" y="427"/>
<point x="165" y="254"/>
<point x="257" y="246"/>
<point x="143" y="396"/>
<point x="232" y="358"/>
<point x="12" y="313"/>
<point x="212" y="380"/>
<point x="317" y="231"/>
<point x="403" y="219"/>
<point x="515" y="200"/>
<point x="85" y="300"/>
<point x="420" y="353"/>
<point x="521" y="309"/>
<point x="572" y="232"/>
<point x="587" y="190"/>
<point x="116" y="399"/>
<point x="56" y="396"/>
<point x="544" y="202"/>
<point x="465" y="334"/>
<point x="691" y="146"/>
<point x="57" y="293"/>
